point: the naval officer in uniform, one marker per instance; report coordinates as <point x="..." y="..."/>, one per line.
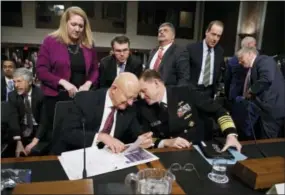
<point x="173" y="114"/>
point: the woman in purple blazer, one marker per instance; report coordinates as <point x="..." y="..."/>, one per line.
<point x="67" y="60"/>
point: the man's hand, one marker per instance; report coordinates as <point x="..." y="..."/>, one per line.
<point x="232" y="142"/>
<point x="146" y="140"/>
<point x="20" y="149"/>
<point x="30" y="146"/>
<point x="177" y="143"/>
<point x="114" y="144"/>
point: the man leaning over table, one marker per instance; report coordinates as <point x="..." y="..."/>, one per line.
<point x="110" y="119"/>
<point x="173" y="114"/>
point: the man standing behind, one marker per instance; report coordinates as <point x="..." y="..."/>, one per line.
<point x="7" y="83"/>
<point x="264" y="86"/>
<point x="206" y="59"/>
<point x="119" y="61"/>
<point x="169" y="59"/>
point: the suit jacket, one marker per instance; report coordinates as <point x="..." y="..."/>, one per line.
<point x="108" y="69"/>
<point x="188" y="123"/>
<point x="90" y="105"/>
<point x="174" y="67"/>
<point x="267" y="84"/>
<point x="234" y="78"/>
<point x="3" y="89"/>
<point x="17" y="111"/>
<point x="53" y="64"/>
<point x="196" y="58"/>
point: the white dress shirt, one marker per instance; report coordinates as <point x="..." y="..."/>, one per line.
<point x="107" y="110"/>
<point x="205" y="53"/>
<point x="164" y="100"/>
<point x="165" y="48"/>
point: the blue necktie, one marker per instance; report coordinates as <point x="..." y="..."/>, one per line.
<point x="122" y="68"/>
<point x="10" y="88"/>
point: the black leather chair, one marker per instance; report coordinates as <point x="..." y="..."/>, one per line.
<point x="62" y="108"/>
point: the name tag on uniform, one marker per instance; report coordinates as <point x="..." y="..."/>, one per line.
<point x="155" y="123"/>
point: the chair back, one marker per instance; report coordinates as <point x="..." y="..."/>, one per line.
<point x="62" y="108"/>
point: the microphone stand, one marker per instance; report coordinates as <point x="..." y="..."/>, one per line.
<point x="84" y="172"/>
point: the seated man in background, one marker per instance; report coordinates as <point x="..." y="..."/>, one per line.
<point x="26" y="120"/>
<point x="7" y="83"/>
<point x="173" y="114"/>
<point x="120" y="60"/>
<point x="265" y="91"/>
<point x="109" y="118"/>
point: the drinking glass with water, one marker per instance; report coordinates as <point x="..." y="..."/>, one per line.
<point x="219" y="170"/>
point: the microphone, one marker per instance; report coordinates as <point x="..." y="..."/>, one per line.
<point x="84" y="172"/>
<point x="83" y="121"/>
<point x="249" y="104"/>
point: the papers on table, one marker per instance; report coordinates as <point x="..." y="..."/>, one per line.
<point x="102" y="161"/>
<point x="238" y="156"/>
<point x="277" y="189"/>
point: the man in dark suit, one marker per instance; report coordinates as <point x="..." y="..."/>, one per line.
<point x="169" y="59"/>
<point x="109" y="118"/>
<point x="120" y="61"/>
<point x="7" y="83"/>
<point x="173" y="113"/>
<point x="206" y="60"/>
<point x="26" y="118"/>
<point x="264" y="87"/>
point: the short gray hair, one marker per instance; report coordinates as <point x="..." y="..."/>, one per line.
<point x="170" y="25"/>
<point x="25" y="73"/>
<point x="246" y="40"/>
<point x="244" y="50"/>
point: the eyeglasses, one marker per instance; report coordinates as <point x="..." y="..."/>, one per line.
<point x="121" y="50"/>
<point x="188" y="167"/>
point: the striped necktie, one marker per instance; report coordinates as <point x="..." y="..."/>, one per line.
<point x="207" y="69"/>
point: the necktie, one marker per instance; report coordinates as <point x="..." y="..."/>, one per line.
<point x="10" y="88"/>
<point x="121" y="67"/>
<point x="109" y="122"/>
<point x="207" y="69"/>
<point x="158" y="59"/>
<point x="246" y="82"/>
<point x="28" y="110"/>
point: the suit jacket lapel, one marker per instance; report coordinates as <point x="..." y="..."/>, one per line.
<point x="200" y="53"/>
<point x="152" y="53"/>
<point x="128" y="67"/>
<point x="165" y="57"/>
<point x="119" y="124"/>
<point x="112" y="68"/>
<point x="87" y="53"/>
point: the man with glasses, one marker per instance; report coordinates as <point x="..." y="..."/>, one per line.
<point x="109" y="118"/>
<point x="119" y="61"/>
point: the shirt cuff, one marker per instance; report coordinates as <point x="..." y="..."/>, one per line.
<point x="17" y="138"/>
<point x="95" y="141"/>
<point x="161" y="144"/>
<point x="233" y="134"/>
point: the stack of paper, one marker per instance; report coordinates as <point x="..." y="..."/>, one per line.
<point x="102" y="161"/>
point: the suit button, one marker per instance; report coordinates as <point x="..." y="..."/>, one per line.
<point x="185" y="131"/>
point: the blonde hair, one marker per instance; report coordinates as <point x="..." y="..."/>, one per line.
<point x="61" y="33"/>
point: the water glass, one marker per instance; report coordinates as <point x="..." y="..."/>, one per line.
<point x="219" y="170"/>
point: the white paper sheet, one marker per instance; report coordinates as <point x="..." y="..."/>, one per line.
<point x="101" y="161"/>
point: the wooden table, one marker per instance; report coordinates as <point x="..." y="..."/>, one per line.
<point x="155" y="164"/>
